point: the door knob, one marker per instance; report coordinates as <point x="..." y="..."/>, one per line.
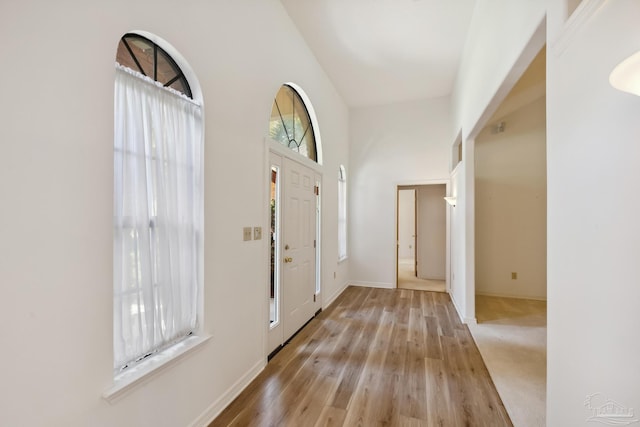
<point x="288" y="259"/>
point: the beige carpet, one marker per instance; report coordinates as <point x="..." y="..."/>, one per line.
<point x="511" y="335"/>
<point x="408" y="280"/>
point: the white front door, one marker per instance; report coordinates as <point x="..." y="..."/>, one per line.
<point x="298" y="246"/>
<point x="293" y="286"/>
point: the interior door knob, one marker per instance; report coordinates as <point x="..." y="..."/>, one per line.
<point x="288" y="259"/>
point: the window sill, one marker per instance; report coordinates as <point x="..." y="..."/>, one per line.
<point x="142" y="372"/>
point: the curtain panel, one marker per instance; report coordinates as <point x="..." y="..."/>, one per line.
<point x="157" y="216"/>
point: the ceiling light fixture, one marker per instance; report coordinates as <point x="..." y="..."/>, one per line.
<point x="626" y="75"/>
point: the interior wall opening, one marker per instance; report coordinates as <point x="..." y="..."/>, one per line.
<point x="510" y="245"/>
<point x="421" y="233"/>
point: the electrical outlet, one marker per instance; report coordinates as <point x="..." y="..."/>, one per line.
<point x="246" y="233"/>
<point x="514" y="276"/>
<point x="257" y="233"/>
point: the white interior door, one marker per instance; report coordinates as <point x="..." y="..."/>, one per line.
<point x="298" y="246"/>
<point x="431" y="215"/>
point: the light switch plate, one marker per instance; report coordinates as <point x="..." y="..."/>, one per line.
<point x="246" y="233"/>
<point x="257" y="233"/>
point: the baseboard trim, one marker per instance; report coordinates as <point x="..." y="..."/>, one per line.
<point x="489" y="294"/>
<point x="433" y="278"/>
<point x="227" y="397"/>
<point x="335" y="295"/>
<point x="470" y="321"/>
<point x="382" y="285"/>
<point x="463" y="319"/>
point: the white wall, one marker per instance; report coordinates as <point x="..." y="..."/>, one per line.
<point x="593" y="203"/>
<point x="592" y="134"/>
<point x="390" y="145"/>
<point x="511" y="209"/>
<point x="56" y="186"/>
<point x="464" y="301"/>
<point x="500" y="30"/>
<point x="406" y="225"/>
<point x="432" y="231"/>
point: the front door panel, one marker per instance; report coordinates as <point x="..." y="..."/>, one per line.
<point x="298" y="246"/>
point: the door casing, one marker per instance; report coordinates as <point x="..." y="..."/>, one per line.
<point x="276" y="154"/>
<point x="409" y="185"/>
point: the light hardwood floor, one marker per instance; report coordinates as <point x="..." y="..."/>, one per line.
<point x="376" y="357"/>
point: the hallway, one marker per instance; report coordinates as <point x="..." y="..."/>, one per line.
<point x="374" y="357"/>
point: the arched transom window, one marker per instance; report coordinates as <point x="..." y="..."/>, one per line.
<point x="290" y="123"/>
<point x="149" y="59"/>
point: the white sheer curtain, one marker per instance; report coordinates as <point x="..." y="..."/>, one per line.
<point x="157" y="218"/>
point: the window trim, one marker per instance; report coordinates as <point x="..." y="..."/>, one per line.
<point x="142" y="371"/>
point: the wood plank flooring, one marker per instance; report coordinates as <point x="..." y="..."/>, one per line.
<point x="376" y="357"/>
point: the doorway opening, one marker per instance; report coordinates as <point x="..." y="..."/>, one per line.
<point x="294" y="291"/>
<point x="510" y="216"/>
<point x="422" y="237"/>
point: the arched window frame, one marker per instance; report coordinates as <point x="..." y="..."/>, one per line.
<point x="145" y="56"/>
<point x="307" y="140"/>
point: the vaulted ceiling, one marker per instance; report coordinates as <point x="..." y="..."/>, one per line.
<point x="385" y="51"/>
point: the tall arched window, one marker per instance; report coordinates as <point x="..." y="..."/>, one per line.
<point x="158" y="202"/>
<point x="342" y="213"/>
<point x="291" y="124"/>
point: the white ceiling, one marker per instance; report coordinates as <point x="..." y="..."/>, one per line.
<point x="385" y="51"/>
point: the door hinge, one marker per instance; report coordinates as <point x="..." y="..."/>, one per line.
<point x="316" y="190"/>
<point x="314" y="244"/>
<point x="314" y="297"/>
